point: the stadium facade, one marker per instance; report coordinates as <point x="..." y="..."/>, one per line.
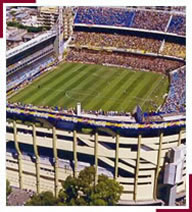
<point x="147" y="155"/>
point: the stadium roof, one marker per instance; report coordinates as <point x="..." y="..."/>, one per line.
<point x="30" y="43"/>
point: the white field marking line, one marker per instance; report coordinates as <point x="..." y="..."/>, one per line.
<point x="80" y="93"/>
<point x="61" y="90"/>
<point x="54" y="90"/>
<point x="156" y="85"/>
<point x="132" y="98"/>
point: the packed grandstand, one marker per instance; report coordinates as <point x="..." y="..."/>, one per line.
<point x="137" y="38"/>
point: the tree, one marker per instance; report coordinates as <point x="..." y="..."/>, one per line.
<point x="108" y="190"/>
<point x="28" y="28"/>
<point x="43" y="199"/>
<point x="83" y="191"/>
<point x="69" y="193"/>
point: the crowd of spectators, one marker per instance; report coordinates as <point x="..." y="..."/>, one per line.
<point x="104" y="16"/>
<point x="132" y="18"/>
<point x="25" y="61"/>
<point x="177" y="25"/>
<point x="174" y="49"/>
<point x="99" y="39"/>
<point x="66" y="111"/>
<point x="106" y="113"/>
<point x="175" y="101"/>
<point x="150" y="20"/>
<point x="127" y="42"/>
<point x="127" y="60"/>
<point x="27" y="74"/>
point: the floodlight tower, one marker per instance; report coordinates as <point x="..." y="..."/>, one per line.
<point x="60" y="30"/>
<point x="64" y="29"/>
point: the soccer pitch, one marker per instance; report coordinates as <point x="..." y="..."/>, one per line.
<point x="96" y="87"/>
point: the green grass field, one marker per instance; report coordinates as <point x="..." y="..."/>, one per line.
<point x="96" y="87"/>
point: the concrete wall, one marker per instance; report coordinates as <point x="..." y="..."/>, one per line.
<point x="139" y="159"/>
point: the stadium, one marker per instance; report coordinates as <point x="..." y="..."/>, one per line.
<point x="105" y="86"/>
